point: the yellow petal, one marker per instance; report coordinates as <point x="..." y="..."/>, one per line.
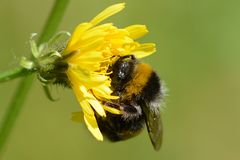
<point x="104" y="91"/>
<point x="91" y="56"/>
<point x="100" y="30"/>
<point x="80" y="77"/>
<point x="86" y="107"/>
<point x="83" y="68"/>
<point x="112" y="110"/>
<point x="84" y="103"/>
<point x="91" y="44"/>
<point x="78" y="32"/>
<point x="136" y="31"/>
<point x="107" y="13"/>
<point x="117" y="33"/>
<point x="97" y="107"/>
<point x="144" y="50"/>
<point x="93" y="127"/>
<point x="103" y="27"/>
<point x="93" y="101"/>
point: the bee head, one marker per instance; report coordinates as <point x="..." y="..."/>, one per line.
<point x="122" y="71"/>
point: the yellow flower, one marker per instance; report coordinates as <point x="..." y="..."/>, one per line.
<point x="90" y="51"/>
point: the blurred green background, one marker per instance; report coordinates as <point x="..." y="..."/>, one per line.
<point x="198" y="57"/>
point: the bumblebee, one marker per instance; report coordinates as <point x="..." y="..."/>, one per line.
<point x="140" y="95"/>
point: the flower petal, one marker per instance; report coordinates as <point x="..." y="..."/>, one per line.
<point x="93" y="101"/>
<point x="91" y="79"/>
<point x="112" y="110"/>
<point x="104" y="91"/>
<point x="84" y="103"/>
<point x="107" y="13"/>
<point x="91" y="56"/>
<point x="86" y="107"/>
<point x="93" y="127"/>
<point x="97" y="31"/>
<point x="144" y="50"/>
<point x="136" y="31"/>
<point x="80" y="29"/>
<point x="91" y="44"/>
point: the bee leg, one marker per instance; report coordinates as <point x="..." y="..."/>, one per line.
<point x="131" y="110"/>
<point x="113" y="105"/>
<point x="117" y="127"/>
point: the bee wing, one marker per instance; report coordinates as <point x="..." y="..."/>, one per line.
<point x="154" y="124"/>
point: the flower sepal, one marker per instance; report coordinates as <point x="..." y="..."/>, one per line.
<point x="48" y="59"/>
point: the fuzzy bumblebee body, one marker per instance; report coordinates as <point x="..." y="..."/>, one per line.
<point x="140" y="95"/>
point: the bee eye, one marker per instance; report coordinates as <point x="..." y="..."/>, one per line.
<point x="121" y="75"/>
<point x="123" y="71"/>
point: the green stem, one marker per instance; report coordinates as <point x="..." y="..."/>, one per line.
<point x="53" y="20"/>
<point x="25" y="84"/>
<point x="14" y="73"/>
